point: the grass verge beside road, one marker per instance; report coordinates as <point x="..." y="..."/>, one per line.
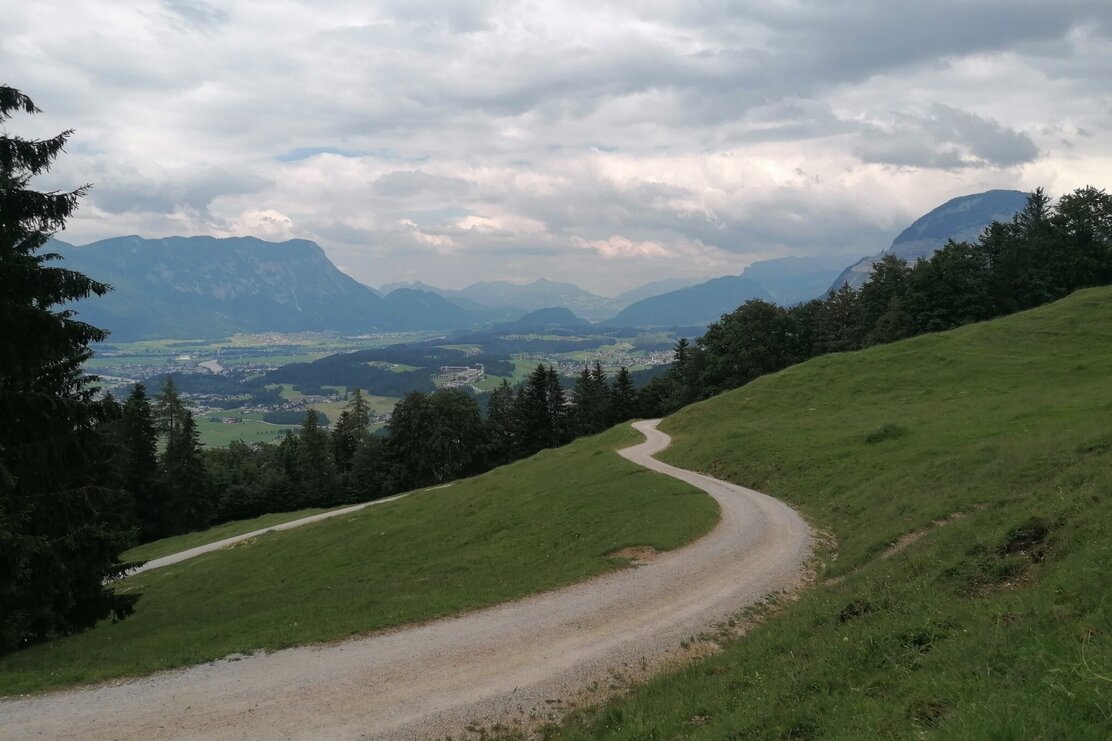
<point x="185" y="541"/>
<point x="985" y="455"/>
<point x="533" y="525"/>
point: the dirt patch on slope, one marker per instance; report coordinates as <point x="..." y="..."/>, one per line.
<point x="636" y="554"/>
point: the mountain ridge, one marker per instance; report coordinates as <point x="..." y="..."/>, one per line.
<point x="208" y="287"/>
<point x="961" y="219"/>
<point x="696" y="305"/>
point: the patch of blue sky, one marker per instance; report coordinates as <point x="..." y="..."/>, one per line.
<point x="304" y="153"/>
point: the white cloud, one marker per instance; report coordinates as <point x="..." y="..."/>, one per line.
<point x="267" y="224"/>
<point x="597" y="141"/>
<point x="617" y="246"/>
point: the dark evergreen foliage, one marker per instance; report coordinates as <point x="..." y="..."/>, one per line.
<point x="136" y="441"/>
<point x="63" y="522"/>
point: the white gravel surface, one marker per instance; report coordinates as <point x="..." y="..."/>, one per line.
<point x="504" y="664"/>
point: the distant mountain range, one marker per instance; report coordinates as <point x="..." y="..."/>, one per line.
<point x="960" y="219"/>
<point x="200" y="287"/>
<point x="791" y="280"/>
<point x="204" y="287"/>
<point x="540" y="294"/>
<point x="695" y="305"/>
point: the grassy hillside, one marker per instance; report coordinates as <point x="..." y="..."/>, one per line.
<point x="533" y="525"/>
<point x="185" y="541"/>
<point x="994" y="444"/>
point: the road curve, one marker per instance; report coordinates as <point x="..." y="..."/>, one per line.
<point x="494" y="665"/>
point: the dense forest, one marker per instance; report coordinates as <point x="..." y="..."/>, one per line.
<point x="84" y="476"/>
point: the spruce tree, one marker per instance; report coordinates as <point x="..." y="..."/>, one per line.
<point x="540" y="412"/>
<point x="557" y="407"/>
<point x="190" y="505"/>
<point x="582" y="396"/>
<point x="623" y="398"/>
<point x="169" y="409"/>
<point x="61" y="532"/>
<point x="501" y="425"/>
<point x="137" y="440"/>
<point x="314" y="462"/>
<point x="351" y="429"/>
<point x="367" y="478"/>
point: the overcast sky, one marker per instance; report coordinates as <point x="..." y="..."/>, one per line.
<point x="456" y="140"/>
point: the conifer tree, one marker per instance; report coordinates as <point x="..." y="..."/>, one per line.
<point x="61" y="532"/>
<point x="540" y="411"/>
<point x="169" y="409"/>
<point x="137" y="440"/>
<point x="350" y="430"/>
<point x="557" y="407"/>
<point x="368" y="476"/>
<point x="623" y="397"/>
<point x="190" y="505"/>
<point x="581" y="399"/>
<point x="314" y="462"/>
<point x="501" y="425"/>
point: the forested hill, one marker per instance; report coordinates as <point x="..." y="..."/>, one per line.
<point x="207" y="287"/>
<point x="960" y="219"/>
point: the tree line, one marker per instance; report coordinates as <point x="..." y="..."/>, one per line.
<point x="431" y="438"/>
<point x="1044" y="253"/>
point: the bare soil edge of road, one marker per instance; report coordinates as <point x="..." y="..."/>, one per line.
<point x="507" y="665"/>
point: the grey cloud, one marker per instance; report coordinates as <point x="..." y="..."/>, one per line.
<point x="119" y="190"/>
<point x="195" y="14"/>
<point x="460" y="16"/>
<point x="412" y="182"/>
<point x="947" y="138"/>
<point x="760" y="220"/>
<point x="803" y="49"/>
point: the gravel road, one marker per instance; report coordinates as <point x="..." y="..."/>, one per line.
<point x="158" y="563"/>
<point x="503" y="664"/>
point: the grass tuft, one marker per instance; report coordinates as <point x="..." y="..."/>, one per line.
<point x="887" y="431"/>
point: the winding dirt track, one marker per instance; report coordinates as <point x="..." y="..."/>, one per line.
<point x="500" y="664"/>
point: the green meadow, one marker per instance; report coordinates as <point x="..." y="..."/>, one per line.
<point x="965" y="482"/>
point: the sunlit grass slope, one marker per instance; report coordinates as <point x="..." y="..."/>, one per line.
<point x="533" y="525"/>
<point x="995" y="624"/>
